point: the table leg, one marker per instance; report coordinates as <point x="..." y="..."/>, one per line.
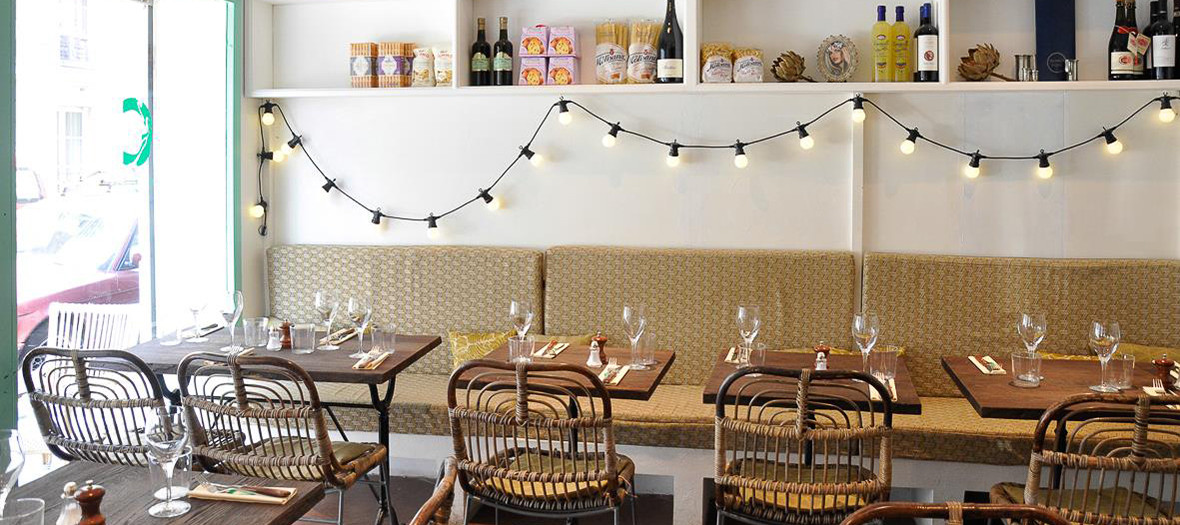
<point x="381" y="404"/>
<point x="172" y="395"/>
<point x="574" y="412"/>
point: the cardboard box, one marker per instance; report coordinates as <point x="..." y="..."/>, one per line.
<point x="563" y="71"/>
<point x="532" y="71"/>
<point x="563" y="42"/>
<point x="534" y="41"/>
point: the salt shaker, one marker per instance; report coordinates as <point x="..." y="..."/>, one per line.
<point x="275" y="341"/>
<point x="71" y="513"/>
<point x="595" y="359"/>
<point x="89" y="497"/>
<point x="821" y="361"/>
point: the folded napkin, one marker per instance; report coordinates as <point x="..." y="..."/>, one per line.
<point x="731" y="357"/>
<point x="371" y="361"/>
<point x="338" y="337"/>
<point x="982" y="364"/>
<point x="1153" y="392"/>
<point x="551" y="350"/>
<point x="241" y="495"/>
<point x="892" y="386"/>
<point x="614" y="373"/>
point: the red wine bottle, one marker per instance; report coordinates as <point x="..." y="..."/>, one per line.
<point x="1122" y="60"/>
<point x="670" y="49"/>
<point x="926" y="40"/>
<point x="502" y="57"/>
<point x="481" y="57"/>
<point x="1162" y="56"/>
<point x="1133" y="25"/>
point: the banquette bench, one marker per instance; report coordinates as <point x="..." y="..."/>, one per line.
<point x="932" y="305"/>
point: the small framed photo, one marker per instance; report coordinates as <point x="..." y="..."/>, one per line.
<point x="838" y="58"/>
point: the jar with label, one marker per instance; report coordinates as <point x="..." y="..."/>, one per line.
<point x="747" y="65"/>
<point x="610" y="52"/>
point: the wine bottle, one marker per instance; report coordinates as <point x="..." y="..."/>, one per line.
<point x="502" y="57"/>
<point x="1149" y="32"/>
<point x="882" y="65"/>
<point x="1122" y="60"/>
<point x="481" y="53"/>
<point x="926" y="38"/>
<point x="1162" y="56"/>
<point x="1133" y="25"/>
<point x="900" y="36"/>
<point x="1175" y="15"/>
<point x="670" y="49"/>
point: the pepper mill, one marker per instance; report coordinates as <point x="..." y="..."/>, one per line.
<point x="286" y="330"/>
<point x="1163" y="368"/>
<point x="601" y="340"/>
<point x="90" y="498"/>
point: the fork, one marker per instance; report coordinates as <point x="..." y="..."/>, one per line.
<point x="1158" y="384"/>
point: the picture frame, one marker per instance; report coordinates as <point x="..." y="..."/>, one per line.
<point x="837" y="58"/>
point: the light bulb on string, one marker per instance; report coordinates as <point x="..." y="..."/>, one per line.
<point x="492" y="203"/>
<point x="258" y="210"/>
<point x="536" y="159"/>
<point x="739" y="156"/>
<point x="1167" y="114"/>
<point x="563" y="112"/>
<point x="972" y="170"/>
<point x="432" y="231"/>
<point x="911" y="142"/>
<point x="1113" y="145"/>
<point x="611" y="136"/>
<point x="1044" y="169"/>
<point x="673" y="158"/>
<point x="858" y="109"/>
<point x="268" y="114"/>
<point x="805" y="140"/>
<point x="289" y="147"/>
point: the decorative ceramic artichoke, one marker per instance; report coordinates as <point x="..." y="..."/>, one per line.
<point x="789" y="67"/>
<point x="980" y="63"/>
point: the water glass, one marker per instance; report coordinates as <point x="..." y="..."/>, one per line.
<point x="883" y="363"/>
<point x="177" y="337"/>
<point x="1026" y="369"/>
<point x="1122" y="370"/>
<point x="303" y="338"/>
<point x="256" y="331"/>
<point x="24" y="511"/>
<point x="645" y="351"/>
<point x="520" y="349"/>
<point x="751" y="354"/>
<point x="385" y="337"/>
<point x="181" y="476"/>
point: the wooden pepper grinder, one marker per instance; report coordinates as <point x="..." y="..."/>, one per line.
<point x="285" y="328"/>
<point x="90" y="498"/>
<point x="1163" y="368"/>
<point x="601" y="340"/>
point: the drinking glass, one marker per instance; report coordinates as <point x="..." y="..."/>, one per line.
<point x="177" y="336"/>
<point x="751" y="354"/>
<point x="385" y="337"/>
<point x="230" y="308"/>
<point x="167" y="441"/>
<point x="1032" y="328"/>
<point x="1122" y="370"/>
<point x="749" y="320"/>
<point x="883" y="364"/>
<point x="303" y="338"/>
<point x="255" y="331"/>
<point x="634" y="322"/>
<point x="521" y="348"/>
<point x="327" y="305"/>
<point x="865" y="330"/>
<point x="645" y="351"/>
<point x="1026" y="369"/>
<point x="24" y="511"/>
<point x="12" y="460"/>
<point x="359" y="314"/>
<point x="521" y="315"/>
<point x="180" y="476"/>
<point x="1104" y="340"/>
<point x="196" y="307"/>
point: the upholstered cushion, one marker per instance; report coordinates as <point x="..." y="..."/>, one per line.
<point x="542" y="462"/>
<point x="691" y="297"/>
<point x="796" y="501"/>
<point x="1119" y="498"/>
<point x="423" y="290"/>
<point x="940" y="305"/>
<point x="468" y="346"/>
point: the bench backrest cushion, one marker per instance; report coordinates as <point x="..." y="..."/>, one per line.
<point x="425" y="290"/>
<point x="938" y="305"/>
<point x="691" y="297"/>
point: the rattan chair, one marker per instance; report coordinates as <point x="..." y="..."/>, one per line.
<point x="954" y="513"/>
<point x="800" y="446"/>
<point x="1110" y="459"/>
<point x="437" y="509"/>
<point x="262" y="417"/>
<point x="536" y="439"/>
<point x="92" y="405"/>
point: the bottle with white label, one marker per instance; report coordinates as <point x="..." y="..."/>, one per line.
<point x="926" y="40"/>
<point x="1122" y="61"/>
<point x="670" y="49"/>
<point x="899" y="34"/>
<point x="1162" y="55"/>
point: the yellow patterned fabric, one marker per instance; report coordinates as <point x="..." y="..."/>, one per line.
<point x="940" y="305"/>
<point x="1079" y="500"/>
<point x="423" y="289"/>
<point x="692" y="297"/>
<point x="1144" y="353"/>
<point x="468" y="346"/>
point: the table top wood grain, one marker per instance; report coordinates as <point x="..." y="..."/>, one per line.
<point x="327" y="366"/>
<point x="993" y="396"/>
<point x="907" y="402"/>
<point x="637" y="384"/>
<point x="129" y="494"/>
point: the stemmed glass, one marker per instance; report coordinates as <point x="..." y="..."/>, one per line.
<point x="12" y="460"/>
<point x="167" y="441"/>
<point x="521" y="315"/>
<point x="1032" y="328"/>
<point x="634" y="322"/>
<point x="230" y="308"/>
<point x="1104" y="340"/>
<point x="865" y="330"/>
<point x="749" y="320"/>
<point x="327" y="305"/>
<point x="195" y="307"/>
<point x="359" y="314"/>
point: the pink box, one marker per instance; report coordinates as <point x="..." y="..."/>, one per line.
<point x="563" y="42"/>
<point x="532" y="71"/>
<point x="534" y="41"/>
<point x="563" y="71"/>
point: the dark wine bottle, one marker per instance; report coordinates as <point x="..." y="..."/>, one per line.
<point x="670" y="49"/>
<point x="1162" y="56"/>
<point x="926" y="40"/>
<point x="1175" y="15"/>
<point x="1133" y="26"/>
<point x="502" y="57"/>
<point x="481" y="57"/>
<point x="1122" y="60"/>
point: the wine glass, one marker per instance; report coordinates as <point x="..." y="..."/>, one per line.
<point x="230" y="307"/>
<point x="327" y="306"/>
<point x="634" y="321"/>
<point x="359" y="314"/>
<point x="12" y="460"/>
<point x="749" y="320"/>
<point x="1104" y="340"/>
<point x="195" y="307"/>
<point x="521" y="315"/>
<point x="865" y="330"/>
<point x="1032" y="328"/>
<point x="167" y="440"/>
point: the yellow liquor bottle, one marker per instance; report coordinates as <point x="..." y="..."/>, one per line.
<point x="882" y="53"/>
<point x="903" y="70"/>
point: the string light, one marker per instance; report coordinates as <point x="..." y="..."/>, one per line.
<point x="971" y="170"/>
<point x="1113" y="146"/>
<point x="611" y="136"/>
<point x="858" y="109"/>
<point x="273" y="156"/>
<point x="1167" y="114"/>
<point x="268" y="113"/>
<point x="535" y="158"/>
<point x="376" y="217"/>
<point x="258" y="210"/>
<point x="563" y="112"/>
<point x="492" y="203"/>
<point x="911" y="142"/>
<point x="432" y="231"/>
<point x="739" y="155"/>
<point x="673" y="159"/>
<point x="805" y="140"/>
<point x="1044" y="169"/>
<point x="329" y="185"/>
<point x="289" y="147"/>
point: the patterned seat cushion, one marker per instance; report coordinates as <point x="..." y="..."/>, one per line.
<point x="1097" y="501"/>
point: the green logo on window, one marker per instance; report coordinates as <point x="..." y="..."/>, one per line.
<point x="145" y="145"/>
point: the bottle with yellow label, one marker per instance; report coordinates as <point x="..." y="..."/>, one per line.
<point x="882" y="55"/>
<point x="900" y="36"/>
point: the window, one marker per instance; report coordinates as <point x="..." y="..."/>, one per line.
<point x="69" y="147"/>
<point x="73" y="45"/>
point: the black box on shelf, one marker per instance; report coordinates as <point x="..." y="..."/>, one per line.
<point x="1056" y="37"/>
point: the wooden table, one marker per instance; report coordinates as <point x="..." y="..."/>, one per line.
<point x="993" y="396"/>
<point x="129" y="494"/>
<point x="637" y="384"/>
<point x="323" y="366"/>
<point x="907" y="397"/>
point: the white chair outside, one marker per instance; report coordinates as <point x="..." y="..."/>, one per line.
<point x="92" y="326"/>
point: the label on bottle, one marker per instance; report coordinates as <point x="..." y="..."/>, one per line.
<point x="1138" y="43"/>
<point x="881" y="57"/>
<point x="610" y="62"/>
<point x="641" y="63"/>
<point x="1163" y="51"/>
<point x="479" y="62"/>
<point x="928" y="53"/>
<point x="1122" y="63"/>
<point x="502" y="62"/>
<point x="670" y="68"/>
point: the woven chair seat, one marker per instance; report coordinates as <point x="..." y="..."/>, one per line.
<point x="781" y="472"/>
<point x="1108" y="498"/>
<point x="541" y="461"/>
<point x="355" y="457"/>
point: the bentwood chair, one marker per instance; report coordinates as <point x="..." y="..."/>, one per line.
<point x="92" y="326"/>
<point x="437" y="509"/>
<point x="1104" y="459"/>
<point x="262" y="417"/>
<point x="800" y="446"/>
<point x="536" y="439"/>
<point x="92" y="405"/>
<point x="954" y="513"/>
